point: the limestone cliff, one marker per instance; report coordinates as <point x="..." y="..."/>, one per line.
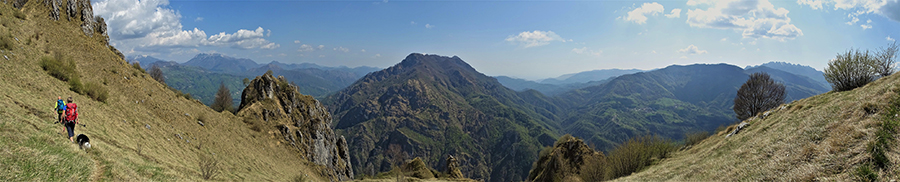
<point x="270" y="103"/>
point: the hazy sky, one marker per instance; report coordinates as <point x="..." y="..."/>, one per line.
<point x="531" y="39"/>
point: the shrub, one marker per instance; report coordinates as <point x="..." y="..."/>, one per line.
<point x="157" y="74"/>
<point x="850" y="70"/>
<point x="222" y="102"/>
<point x="635" y="154"/>
<point x="76" y="86"/>
<point x="59" y="67"/>
<point x="758" y="94"/>
<point x="695" y="137"/>
<point x="885" y="59"/>
<point x="594" y="169"/>
<point x="96" y="91"/>
<point x="137" y="65"/>
<point x="209" y="167"/>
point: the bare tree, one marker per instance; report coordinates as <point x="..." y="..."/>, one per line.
<point x="222" y="102"/>
<point x="157" y="74"/>
<point x="758" y="94"/>
<point x="885" y="59"/>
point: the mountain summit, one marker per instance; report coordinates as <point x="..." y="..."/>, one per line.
<point x="432" y="106"/>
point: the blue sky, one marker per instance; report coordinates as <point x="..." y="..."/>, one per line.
<point x="531" y="39"/>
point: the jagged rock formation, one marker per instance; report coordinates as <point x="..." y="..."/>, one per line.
<point x="563" y="161"/>
<point x="302" y="121"/>
<point x="19" y="3"/>
<point x="54" y="8"/>
<point x="87" y="18"/>
<point x="71" y="9"/>
<point x="453" y="168"/>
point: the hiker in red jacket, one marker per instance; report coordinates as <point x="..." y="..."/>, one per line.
<point x="71" y="118"/>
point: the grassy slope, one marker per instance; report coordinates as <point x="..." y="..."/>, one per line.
<point x="124" y="148"/>
<point x="822" y="137"/>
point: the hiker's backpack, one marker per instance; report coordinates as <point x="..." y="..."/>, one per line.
<point x="60" y="105"/>
<point x="71" y="112"/>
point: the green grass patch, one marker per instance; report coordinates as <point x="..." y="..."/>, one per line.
<point x="41" y="158"/>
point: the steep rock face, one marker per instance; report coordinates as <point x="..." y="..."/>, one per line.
<point x="54" y="8"/>
<point x="71" y="9"/>
<point x="305" y="125"/>
<point x="87" y="18"/>
<point x="19" y="3"/>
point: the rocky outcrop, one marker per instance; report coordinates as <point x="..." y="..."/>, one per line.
<point x="453" y="168"/>
<point x="565" y="159"/>
<point x="87" y="18"/>
<point x="71" y="9"/>
<point x="418" y="169"/>
<point x="18" y="4"/>
<point x="54" y="8"/>
<point x="301" y="120"/>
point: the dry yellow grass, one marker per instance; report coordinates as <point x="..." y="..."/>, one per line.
<point x="144" y="132"/>
<point x="821" y="138"/>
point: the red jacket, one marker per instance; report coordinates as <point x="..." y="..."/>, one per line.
<point x="71" y="112"/>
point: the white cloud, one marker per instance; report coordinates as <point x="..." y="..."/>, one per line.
<point x="889" y="38"/>
<point x="412" y="22"/>
<point x="377" y="55"/>
<point x="321" y="56"/>
<point x="429" y="26"/>
<point x="683" y="57"/>
<point x="639" y="15"/>
<point x="306" y="48"/>
<point x="693" y="50"/>
<point x="853" y="19"/>
<point x="296" y="41"/>
<point x="151" y="26"/>
<point x="674" y="14"/>
<point x="342" y="49"/>
<point x="364" y="50"/>
<point x="814" y="4"/>
<point x="242" y="39"/>
<point x="887" y="8"/>
<point x="866" y="26"/>
<point x="535" y="38"/>
<point x="321" y="47"/>
<point x="754" y="18"/>
<point x="724" y="39"/>
<point x="585" y="50"/>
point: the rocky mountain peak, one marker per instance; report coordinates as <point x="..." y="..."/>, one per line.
<point x="273" y="103"/>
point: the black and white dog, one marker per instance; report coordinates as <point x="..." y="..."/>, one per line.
<point x="83" y="141"/>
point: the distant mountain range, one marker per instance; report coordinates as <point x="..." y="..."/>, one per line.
<point x="201" y="75"/>
<point x="797" y="69"/>
<point x="433" y="106"/>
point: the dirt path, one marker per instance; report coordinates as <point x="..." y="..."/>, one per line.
<point x="98" y="169"/>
